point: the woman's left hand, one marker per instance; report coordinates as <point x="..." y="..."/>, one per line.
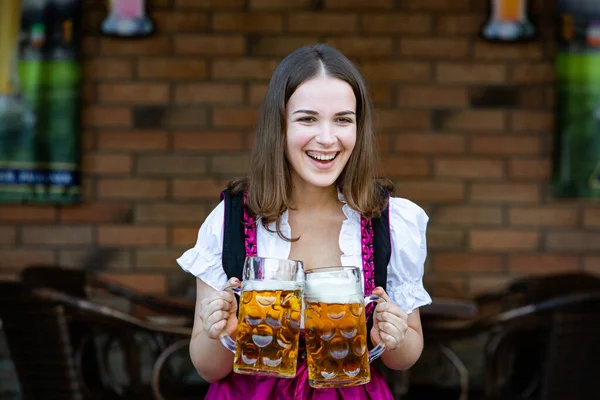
<point x="390" y="322"/>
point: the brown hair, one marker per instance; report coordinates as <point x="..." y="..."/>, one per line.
<point x="269" y="181"/>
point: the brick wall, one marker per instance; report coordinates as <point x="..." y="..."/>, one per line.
<point x="465" y="131"/>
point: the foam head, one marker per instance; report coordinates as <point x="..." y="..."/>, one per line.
<point x="270" y="285"/>
<point x="332" y="290"/>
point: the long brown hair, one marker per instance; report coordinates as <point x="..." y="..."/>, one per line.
<point x="269" y="181"/>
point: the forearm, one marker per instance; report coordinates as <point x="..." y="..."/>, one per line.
<point x="407" y="353"/>
<point x="212" y="360"/>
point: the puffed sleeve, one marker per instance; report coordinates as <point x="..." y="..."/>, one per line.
<point x="204" y="259"/>
<point x="408" y="224"/>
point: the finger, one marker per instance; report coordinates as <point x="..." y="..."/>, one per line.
<point x="235" y="282"/>
<point x="394" y="319"/>
<point x="215" y="305"/>
<point x="391" y="343"/>
<point x="214" y="331"/>
<point x="216" y="316"/>
<point x="392" y="309"/>
<point x="378" y="291"/>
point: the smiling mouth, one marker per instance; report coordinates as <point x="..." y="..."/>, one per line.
<point x="322" y="157"/>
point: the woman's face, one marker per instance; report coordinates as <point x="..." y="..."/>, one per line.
<point x="321" y="131"/>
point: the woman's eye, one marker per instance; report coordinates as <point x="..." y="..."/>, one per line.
<point x="307" y="119"/>
<point x="345" y="120"/>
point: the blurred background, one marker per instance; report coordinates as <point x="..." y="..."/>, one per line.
<point x="486" y="116"/>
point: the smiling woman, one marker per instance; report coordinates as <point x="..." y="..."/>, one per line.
<point x="312" y="195"/>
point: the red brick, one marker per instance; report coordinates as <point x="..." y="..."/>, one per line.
<point x="131" y="236"/>
<point x="431" y="191"/>
<point x="532" y="73"/>
<point x="402" y="119"/>
<point x="467" y="215"/>
<point x="544" y="216"/>
<point x="209" y="4"/>
<point x="193" y="93"/>
<point x="208" y="141"/>
<point x="381" y="95"/>
<point x="395" y="23"/>
<point x="405" y="166"/>
<point x="107" y="68"/>
<point x="366" y="47"/>
<point x="322" y="22"/>
<point x="208" y="45"/>
<point x="8" y="235"/>
<point x="247" y="22"/>
<point x="432" y="96"/>
<point x="397" y="71"/>
<point x="27" y="213"/>
<point x="154" y="260"/>
<point x="171" y="164"/>
<point x="506" y="145"/>
<point x="444" y="285"/>
<point x="234" y="117"/>
<point x="429" y="143"/>
<point x="153" y="284"/>
<point x="529" y="169"/>
<point x="232" y="165"/>
<point x="531" y="98"/>
<point x="134" y="93"/>
<point x="167" y="213"/>
<point x="591" y="218"/>
<point x="592" y="264"/>
<point x="360" y="4"/>
<point x="480" y="285"/>
<point x="180" y="21"/>
<point x="280" y="5"/>
<point x="436" y="5"/>
<point x="107" y="164"/>
<point x="153" y="46"/>
<point x="279" y="45"/>
<point x="503" y="240"/>
<point x="137" y="140"/>
<point x="505" y="192"/>
<point x="473" y="120"/>
<point x="257" y="92"/>
<point x="521" y="51"/>
<point x="171" y="68"/>
<point x="458" y="24"/>
<point x="434" y="48"/>
<point x="104" y="117"/>
<point x="12" y="259"/>
<point x="57" y="235"/>
<point x="89" y="46"/>
<point x="76" y="259"/>
<point x="95" y="212"/>
<point x="184" y="235"/>
<point x="471" y="168"/>
<point x="445" y="239"/>
<point x="243" y="68"/>
<point x="200" y="189"/>
<point x="576" y="241"/>
<point x="467" y="262"/>
<point x="132" y="188"/>
<point x="185" y="117"/>
<point x="542" y="263"/>
<point x="455" y="72"/>
<point x="531" y="121"/>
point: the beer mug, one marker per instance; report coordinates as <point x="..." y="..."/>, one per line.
<point x="269" y="316"/>
<point x="335" y="328"/>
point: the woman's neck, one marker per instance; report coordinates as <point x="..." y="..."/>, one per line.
<point x="305" y="197"/>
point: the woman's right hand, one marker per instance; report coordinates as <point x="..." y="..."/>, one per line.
<point x="217" y="311"/>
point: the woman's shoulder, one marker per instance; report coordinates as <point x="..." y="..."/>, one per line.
<point x="406" y="214"/>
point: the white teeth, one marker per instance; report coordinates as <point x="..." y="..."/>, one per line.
<point x="321" y="157"/>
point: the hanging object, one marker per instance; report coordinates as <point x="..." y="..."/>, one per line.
<point x="576" y="171"/>
<point x="508" y="22"/>
<point x="127" y="18"/>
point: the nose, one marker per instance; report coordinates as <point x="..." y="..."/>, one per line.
<point x="326" y="137"/>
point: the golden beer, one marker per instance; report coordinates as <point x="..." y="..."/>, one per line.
<point x="269" y="318"/>
<point x="335" y="328"/>
<point x="268" y="329"/>
<point x="510" y="10"/>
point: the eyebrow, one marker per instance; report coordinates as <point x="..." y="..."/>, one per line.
<point x="311" y="112"/>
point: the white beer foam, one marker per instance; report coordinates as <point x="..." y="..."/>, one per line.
<point x="270" y="285"/>
<point x="332" y="290"/>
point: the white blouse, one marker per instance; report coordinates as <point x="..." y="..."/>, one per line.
<point x="408" y="223"/>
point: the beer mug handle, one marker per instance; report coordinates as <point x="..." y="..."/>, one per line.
<point x="380" y="348"/>
<point x="227" y="341"/>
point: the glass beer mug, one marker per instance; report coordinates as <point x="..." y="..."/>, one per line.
<point x="269" y="317"/>
<point x="335" y="328"/>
